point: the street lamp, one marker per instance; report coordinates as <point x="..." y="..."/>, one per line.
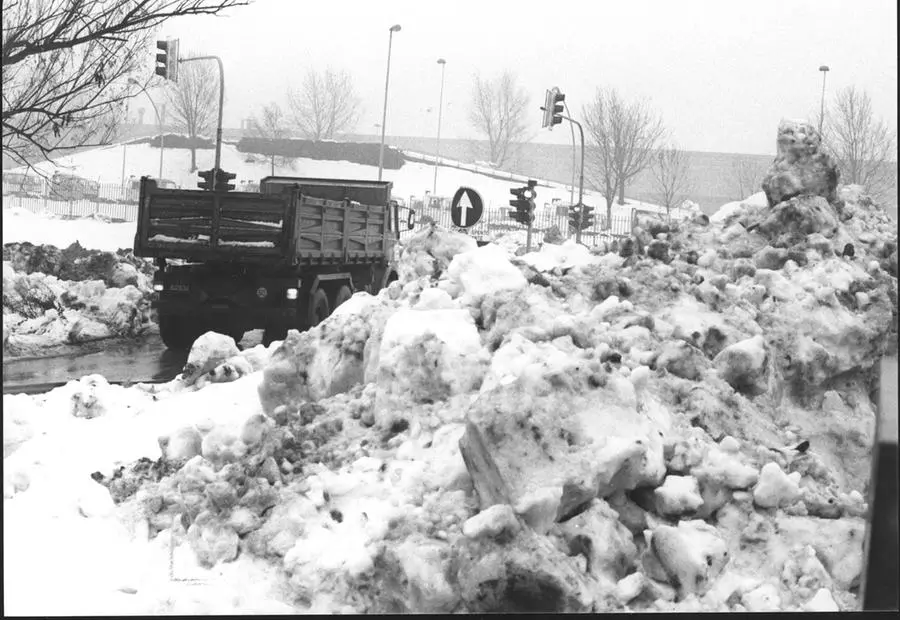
<point x="158" y="122"/>
<point x="824" y="70"/>
<point x="387" y="77"/>
<point x="443" y="64"/>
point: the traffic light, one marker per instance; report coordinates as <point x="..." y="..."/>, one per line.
<point x="222" y="181"/>
<point x="553" y="108"/>
<point x="574" y="217"/>
<point x="587" y="217"/>
<point x="207" y="182"/>
<point x="524" y="203"/>
<point x="167" y="60"/>
<point x="581" y="217"/>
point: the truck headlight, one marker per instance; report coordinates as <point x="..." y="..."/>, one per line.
<point x="291" y="293"/>
<point x="158" y="287"/>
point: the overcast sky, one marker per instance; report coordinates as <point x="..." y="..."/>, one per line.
<point x="720" y="72"/>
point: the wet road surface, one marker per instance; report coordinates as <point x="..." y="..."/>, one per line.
<point x="120" y="361"/>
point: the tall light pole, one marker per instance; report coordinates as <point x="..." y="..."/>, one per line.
<point x="387" y="77"/>
<point x="443" y="64"/>
<point x="824" y="70"/>
<point x="162" y="136"/>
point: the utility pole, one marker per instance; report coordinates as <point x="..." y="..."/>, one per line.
<point x="824" y="69"/>
<point x="221" y="106"/>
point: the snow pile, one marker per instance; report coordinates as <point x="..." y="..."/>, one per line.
<point x="683" y="425"/>
<point x="52" y="297"/>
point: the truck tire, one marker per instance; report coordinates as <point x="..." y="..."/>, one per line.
<point x="273" y="332"/>
<point x="344" y="293"/>
<point x="319" y="309"/>
<point x="177" y="332"/>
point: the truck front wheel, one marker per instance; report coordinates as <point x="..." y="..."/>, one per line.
<point x="344" y="293"/>
<point x="318" y="308"/>
<point x="177" y="332"/>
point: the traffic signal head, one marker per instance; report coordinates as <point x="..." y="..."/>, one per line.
<point x="557" y="107"/>
<point x="553" y="108"/>
<point x="222" y="181"/>
<point x="524" y="203"/>
<point x="167" y="59"/>
<point x="587" y="217"/>
<point x="206" y="181"/>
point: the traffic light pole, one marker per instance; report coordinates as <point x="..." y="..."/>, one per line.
<point x="580" y="180"/>
<point x="221" y="106"/>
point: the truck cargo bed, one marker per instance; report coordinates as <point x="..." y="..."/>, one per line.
<point x="289" y="226"/>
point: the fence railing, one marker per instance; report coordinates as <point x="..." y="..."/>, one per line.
<point x="494" y="221"/>
<point x="120" y="211"/>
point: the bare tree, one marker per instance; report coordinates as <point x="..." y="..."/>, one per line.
<point x="865" y="148"/>
<point x="195" y="100"/>
<point x="623" y="137"/>
<point x="746" y="176"/>
<point x="500" y="112"/>
<point x="325" y="105"/>
<point x="669" y="170"/>
<point x="66" y="65"/>
<point x="271" y="125"/>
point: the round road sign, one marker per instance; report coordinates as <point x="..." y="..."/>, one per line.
<point x="466" y="208"/>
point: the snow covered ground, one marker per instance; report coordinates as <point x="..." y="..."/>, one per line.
<point x="412" y="179"/>
<point x="643" y="411"/>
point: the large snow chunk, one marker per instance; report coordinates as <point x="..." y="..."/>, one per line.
<point x="743" y="366"/>
<point x="486" y="270"/>
<point x="430" y="251"/>
<point x="561" y="446"/>
<point x="800" y="166"/>
<point x="606" y="544"/>
<point x="207" y="352"/>
<point x="775" y="488"/>
<point x="564" y="257"/>
<point x="691" y="555"/>
<point x="430" y="355"/>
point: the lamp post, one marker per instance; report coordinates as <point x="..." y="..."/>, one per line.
<point x="443" y="64"/>
<point x="824" y="70"/>
<point x="162" y="137"/>
<point x="387" y="77"/>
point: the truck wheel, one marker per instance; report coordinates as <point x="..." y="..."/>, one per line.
<point x="177" y="332"/>
<point x="318" y="308"/>
<point x="344" y="293"/>
<point x="273" y="332"/>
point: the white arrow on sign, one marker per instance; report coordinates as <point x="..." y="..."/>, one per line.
<point x="464" y="205"/>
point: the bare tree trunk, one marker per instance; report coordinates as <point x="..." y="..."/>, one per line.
<point x="193" y="158"/>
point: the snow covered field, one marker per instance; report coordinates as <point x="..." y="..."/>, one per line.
<point x="412" y="179"/>
<point x="332" y="472"/>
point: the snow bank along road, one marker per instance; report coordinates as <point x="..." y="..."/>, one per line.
<point x="683" y="424"/>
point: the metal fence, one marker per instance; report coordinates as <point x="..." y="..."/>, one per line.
<point x="497" y="221"/>
<point x="119" y="211"/>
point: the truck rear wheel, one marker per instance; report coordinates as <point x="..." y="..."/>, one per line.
<point x="344" y="293"/>
<point x="177" y="332"/>
<point x="319" y="310"/>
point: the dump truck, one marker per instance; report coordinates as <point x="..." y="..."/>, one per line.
<point x="281" y="258"/>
